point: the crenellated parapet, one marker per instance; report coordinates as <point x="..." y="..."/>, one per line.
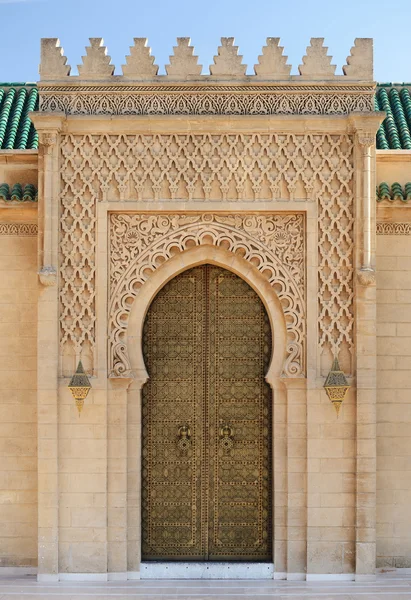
<point x="225" y="89"/>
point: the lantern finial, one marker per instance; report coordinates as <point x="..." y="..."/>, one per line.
<point x="79" y="386"/>
<point x="336" y="385"/>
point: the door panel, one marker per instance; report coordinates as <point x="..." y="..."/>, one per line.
<point x="172" y="499"/>
<point x="207" y="344"/>
<point x="239" y="398"/>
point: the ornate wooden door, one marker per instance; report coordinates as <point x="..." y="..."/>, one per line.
<point x="206" y="478"/>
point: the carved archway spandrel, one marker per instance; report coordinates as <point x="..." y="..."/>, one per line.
<point x="274" y="245"/>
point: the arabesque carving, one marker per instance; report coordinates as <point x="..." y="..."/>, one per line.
<point x="390" y="228"/>
<point x="21" y="229"/>
<point x="206" y="100"/>
<point x="274" y="244"/>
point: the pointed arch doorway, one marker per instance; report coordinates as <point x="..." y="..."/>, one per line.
<point x="206" y="437"/>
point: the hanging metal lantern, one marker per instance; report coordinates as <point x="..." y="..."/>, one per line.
<point x="336" y="385"/>
<point x="80" y="386"/>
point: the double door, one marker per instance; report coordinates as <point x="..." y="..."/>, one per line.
<point x="206" y="442"/>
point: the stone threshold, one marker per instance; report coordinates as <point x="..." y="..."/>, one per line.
<point x="206" y="570"/>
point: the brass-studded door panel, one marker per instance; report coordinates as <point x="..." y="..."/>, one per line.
<point x="173" y="399"/>
<point x="206" y="480"/>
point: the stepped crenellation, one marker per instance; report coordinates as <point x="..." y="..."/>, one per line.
<point x="228" y="65"/>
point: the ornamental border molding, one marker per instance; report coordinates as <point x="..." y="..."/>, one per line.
<point x="387" y="228"/>
<point x="204" y="88"/>
<point x="273" y="244"/>
<point x="21" y="229"/>
<point x="206" y="100"/>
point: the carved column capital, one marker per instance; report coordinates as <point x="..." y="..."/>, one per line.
<point x="365" y="138"/>
<point x="47" y="140"/>
<point x="122" y="382"/>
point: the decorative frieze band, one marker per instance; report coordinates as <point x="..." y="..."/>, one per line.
<point x="19" y="229"/>
<point x="384" y="228"/>
<point x="201" y="100"/>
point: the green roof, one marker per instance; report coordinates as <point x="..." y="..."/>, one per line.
<point x="18" y="192"/>
<point x="16" y="130"/>
<point x="395" y="131"/>
<point x="394" y="192"/>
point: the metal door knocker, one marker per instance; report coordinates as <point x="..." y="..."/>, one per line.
<point x="184" y="438"/>
<point x="226" y="438"/>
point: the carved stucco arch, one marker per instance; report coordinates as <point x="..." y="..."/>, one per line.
<point x="192" y="258"/>
<point x="266" y="251"/>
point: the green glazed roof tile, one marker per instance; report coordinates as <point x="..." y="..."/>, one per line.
<point x="395" y="131"/>
<point x="394" y="192"/>
<point x="18" y="193"/>
<point x="16" y="130"/>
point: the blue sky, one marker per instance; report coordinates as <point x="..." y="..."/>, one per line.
<point x="24" y="22"/>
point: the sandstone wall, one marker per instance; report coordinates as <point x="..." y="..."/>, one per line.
<point x="18" y="381"/>
<point x="394" y="392"/>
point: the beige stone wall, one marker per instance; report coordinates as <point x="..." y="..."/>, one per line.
<point x="331" y="485"/>
<point x="82" y="454"/>
<point x="394" y="392"/>
<point x="18" y="382"/>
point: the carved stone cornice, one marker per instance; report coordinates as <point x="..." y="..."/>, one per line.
<point x="210" y="98"/>
<point x="365" y="126"/>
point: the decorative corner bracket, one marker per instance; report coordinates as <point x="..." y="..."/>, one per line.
<point x="366" y="276"/>
<point x="48" y="276"/>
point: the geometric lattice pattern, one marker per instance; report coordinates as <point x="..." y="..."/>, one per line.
<point x="391" y="228"/>
<point x="335" y="248"/>
<point x="206" y="166"/>
<point x="77" y="266"/>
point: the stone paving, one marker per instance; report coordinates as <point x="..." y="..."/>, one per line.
<point x="386" y="587"/>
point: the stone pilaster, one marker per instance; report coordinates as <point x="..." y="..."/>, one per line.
<point x="366" y="365"/>
<point x="134" y="433"/>
<point x="296" y="478"/>
<point x="117" y="477"/>
<point x="48" y="128"/>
